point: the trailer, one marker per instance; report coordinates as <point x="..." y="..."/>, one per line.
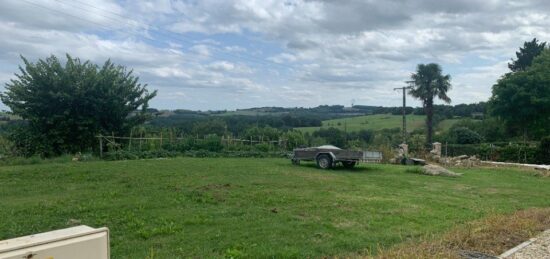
<point x="327" y="156"/>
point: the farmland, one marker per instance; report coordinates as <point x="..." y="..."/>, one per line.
<point x="223" y="207"/>
<point x="379" y="122"/>
<point x="372" y="122"/>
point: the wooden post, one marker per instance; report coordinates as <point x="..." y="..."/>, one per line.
<point x="130" y="140"/>
<point x="100" y="146"/>
<point x="113" y="136"/>
<point x="140" y="138"/>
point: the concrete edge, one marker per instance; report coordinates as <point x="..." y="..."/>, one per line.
<point x="517" y="248"/>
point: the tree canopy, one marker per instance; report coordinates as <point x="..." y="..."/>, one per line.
<point x="522" y="99"/>
<point x="525" y="55"/>
<point x="428" y="83"/>
<point x="67" y="105"/>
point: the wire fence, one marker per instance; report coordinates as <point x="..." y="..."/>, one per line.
<point x="114" y="143"/>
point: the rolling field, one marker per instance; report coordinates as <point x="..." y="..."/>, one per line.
<point x="372" y="122"/>
<point x="223" y="207"/>
<point x="378" y="122"/>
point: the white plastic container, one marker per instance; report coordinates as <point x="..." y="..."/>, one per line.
<point x="81" y="242"/>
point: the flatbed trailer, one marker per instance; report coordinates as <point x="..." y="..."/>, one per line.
<point x="327" y="156"/>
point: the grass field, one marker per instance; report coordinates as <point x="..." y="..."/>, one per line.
<point x="378" y="122"/>
<point x="372" y="122"/>
<point x="191" y="207"/>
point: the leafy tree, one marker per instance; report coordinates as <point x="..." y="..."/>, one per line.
<point x="522" y="99"/>
<point x="463" y="135"/>
<point x="262" y="133"/>
<point x="525" y="55"/>
<point x="428" y="82"/>
<point x="67" y="105"/>
<point x="294" y="139"/>
<point x="215" y="126"/>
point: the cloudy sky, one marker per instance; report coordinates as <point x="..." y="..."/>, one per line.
<point x="228" y="54"/>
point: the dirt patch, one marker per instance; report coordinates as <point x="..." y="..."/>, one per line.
<point x="492" y="235"/>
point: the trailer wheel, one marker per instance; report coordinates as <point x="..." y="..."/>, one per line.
<point x="324" y="161"/>
<point x="349" y="164"/>
<point x="295" y="161"/>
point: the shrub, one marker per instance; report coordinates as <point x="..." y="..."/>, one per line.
<point x="543" y="151"/>
<point x="516" y="154"/>
<point x="463" y="135"/>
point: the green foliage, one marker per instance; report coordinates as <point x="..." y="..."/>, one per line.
<point x="516" y="154"/>
<point x="463" y="135"/>
<point x="215" y="126"/>
<point x="525" y="55"/>
<point x="211" y="143"/>
<point x="7" y="147"/>
<point x="522" y="98"/>
<point x="66" y="106"/>
<point x="490" y="129"/>
<point x="428" y="83"/>
<point x="508" y="152"/>
<point x="151" y="154"/>
<point x="294" y="139"/>
<point x="332" y="136"/>
<point x="543" y="151"/>
<point x="417" y="143"/>
<point x="262" y="133"/>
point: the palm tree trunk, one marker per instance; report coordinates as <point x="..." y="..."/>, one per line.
<point x="429" y="121"/>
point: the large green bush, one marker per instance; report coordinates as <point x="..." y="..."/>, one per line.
<point x="67" y="105"/>
<point x="463" y="135"/>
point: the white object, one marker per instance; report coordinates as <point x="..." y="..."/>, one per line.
<point x="81" y="242"/>
<point x="328" y="147"/>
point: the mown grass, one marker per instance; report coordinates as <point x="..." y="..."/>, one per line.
<point x="222" y="207"/>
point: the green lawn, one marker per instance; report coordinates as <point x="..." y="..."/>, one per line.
<point x="191" y="207"/>
<point x="373" y="122"/>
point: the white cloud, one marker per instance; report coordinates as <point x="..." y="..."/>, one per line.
<point x="293" y="53"/>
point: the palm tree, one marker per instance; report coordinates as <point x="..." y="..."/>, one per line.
<point x="428" y="83"/>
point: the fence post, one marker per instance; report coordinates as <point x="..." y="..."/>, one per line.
<point x="100" y="145"/>
<point x="140" y="139"/>
<point x="130" y="140"/>
<point x="114" y="140"/>
<point x="446" y="155"/>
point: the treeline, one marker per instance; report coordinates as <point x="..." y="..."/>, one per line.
<point x="443" y="111"/>
<point x="235" y="123"/>
<point x="288" y="118"/>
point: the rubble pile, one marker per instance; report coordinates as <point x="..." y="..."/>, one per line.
<point x="463" y="160"/>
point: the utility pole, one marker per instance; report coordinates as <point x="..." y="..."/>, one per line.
<point x="404" y="112"/>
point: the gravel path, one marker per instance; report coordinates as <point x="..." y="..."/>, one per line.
<point x="540" y="248"/>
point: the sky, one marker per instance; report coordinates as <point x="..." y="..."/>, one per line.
<point x="231" y="54"/>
